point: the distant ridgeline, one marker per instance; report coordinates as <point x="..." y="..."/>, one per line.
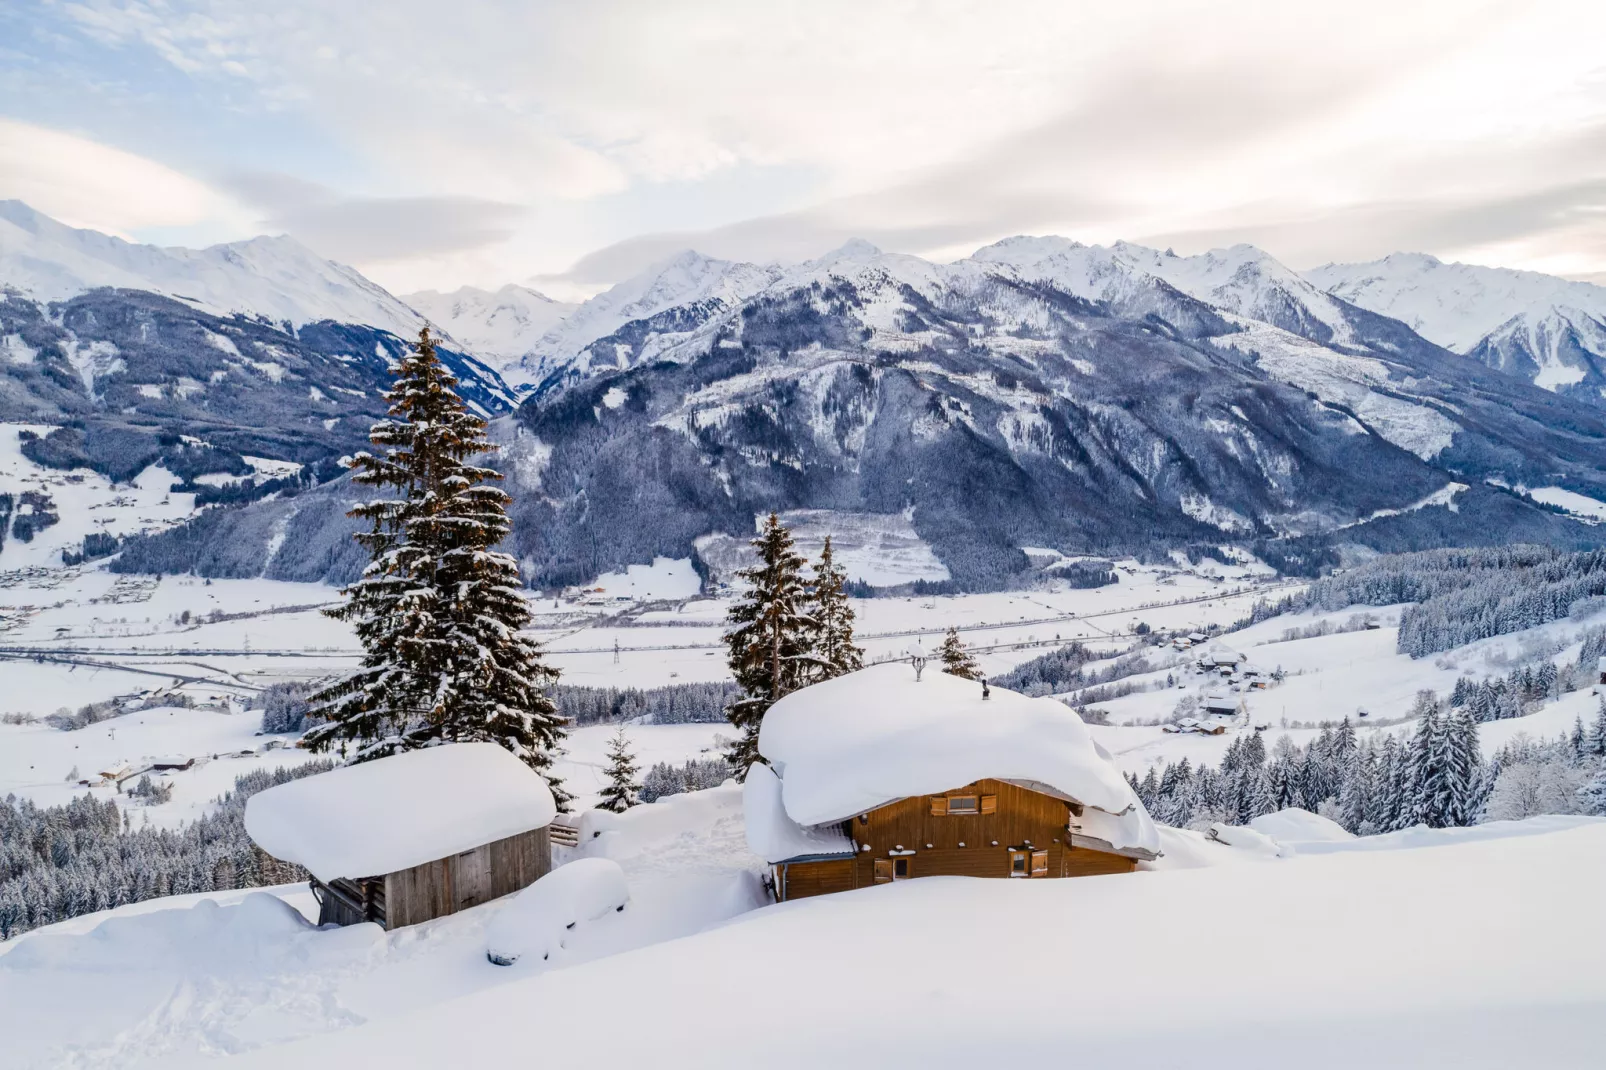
<point x="1460" y="596"/>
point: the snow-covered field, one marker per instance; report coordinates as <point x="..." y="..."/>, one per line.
<point x="1219" y="956"/>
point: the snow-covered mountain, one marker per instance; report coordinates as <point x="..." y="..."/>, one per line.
<point x="689" y="285"/>
<point x="1546" y="330"/>
<point x="278" y="280"/>
<point x="1038" y="394"/>
<point x="499" y="327"/>
<point x="258" y="348"/>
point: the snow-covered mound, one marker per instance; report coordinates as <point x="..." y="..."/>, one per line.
<point x="398" y="812"/>
<point x="859" y="741"/>
<point x="1277" y="958"/>
<point x="1295" y="826"/>
<point x="500" y="327"/>
<point x="277" y="279"/>
<point x="539" y="917"/>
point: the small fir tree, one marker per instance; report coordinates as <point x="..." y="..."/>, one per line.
<point x="623" y="789"/>
<point x="437" y="610"/>
<point x="956" y="660"/>
<point x="834" y="613"/>
<point x="1592" y="796"/>
<point x="772" y="638"/>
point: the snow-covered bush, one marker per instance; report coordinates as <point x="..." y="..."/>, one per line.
<point x="535" y="923"/>
<point x="1528" y="789"/>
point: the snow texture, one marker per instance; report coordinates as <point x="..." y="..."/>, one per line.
<point x="775" y="837"/>
<point x="402" y="811"/>
<point x="538" y="920"/>
<point x="1304" y="960"/>
<point x="859" y="741"/>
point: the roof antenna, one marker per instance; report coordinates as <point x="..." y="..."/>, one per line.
<point x="985" y="693"/>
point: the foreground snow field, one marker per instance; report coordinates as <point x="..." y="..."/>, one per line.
<point x="1426" y="949"/>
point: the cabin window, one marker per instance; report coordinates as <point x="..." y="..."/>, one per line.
<point x="883" y="870"/>
<point x="1039" y="863"/>
<point x="1019" y="861"/>
<point x="900" y="869"/>
<point x="964" y="804"/>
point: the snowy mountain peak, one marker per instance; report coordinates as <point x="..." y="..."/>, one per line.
<point x="274" y="278"/>
<point x="500" y="326"/>
<point x="1549" y="330"/>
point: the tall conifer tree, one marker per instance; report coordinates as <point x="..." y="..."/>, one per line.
<point x="833" y="612"/>
<point x="623" y="790"/>
<point x="956" y="660"/>
<point x="772" y="637"/>
<point x="438" y="610"/>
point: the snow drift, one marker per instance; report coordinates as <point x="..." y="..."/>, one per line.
<point x="539" y="917"/>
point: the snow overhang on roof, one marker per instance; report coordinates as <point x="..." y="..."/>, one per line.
<point x="859" y="741"/>
<point x="398" y="812"/>
<point x="774" y="836"/>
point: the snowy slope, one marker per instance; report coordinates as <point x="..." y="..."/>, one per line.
<point x="1270" y="957"/>
<point x="277" y="279"/>
<point x="1549" y="330"/>
<point x="500" y="327"/>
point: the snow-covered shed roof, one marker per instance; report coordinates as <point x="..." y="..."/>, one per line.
<point x="398" y="812"/>
<point x="860" y="741"/>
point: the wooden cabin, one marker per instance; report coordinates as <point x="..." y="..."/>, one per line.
<point x="414" y="836"/>
<point x="987" y="828"/>
<point x="876" y="736"/>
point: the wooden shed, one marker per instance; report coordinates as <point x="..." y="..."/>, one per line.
<point x="847" y="800"/>
<point x="416" y="836"/>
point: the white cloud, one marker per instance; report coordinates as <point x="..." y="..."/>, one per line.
<point x="1462" y="127"/>
<point x="86" y="184"/>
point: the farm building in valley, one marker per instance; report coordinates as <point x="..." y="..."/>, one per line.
<point x="878" y="776"/>
<point x="415" y="836"/>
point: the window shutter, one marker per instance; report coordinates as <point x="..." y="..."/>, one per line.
<point x="883" y="870"/>
<point x="1039" y="863"/>
<point x="989" y="804"/>
<point x="939" y="807"/>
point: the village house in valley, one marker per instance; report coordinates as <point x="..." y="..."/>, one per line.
<point x="880" y="775"/>
<point x="411" y="837"/>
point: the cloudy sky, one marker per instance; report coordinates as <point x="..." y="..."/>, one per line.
<point x="567" y="145"/>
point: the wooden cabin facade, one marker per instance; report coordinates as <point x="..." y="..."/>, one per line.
<point x="435" y="889"/>
<point x="988" y="828"/>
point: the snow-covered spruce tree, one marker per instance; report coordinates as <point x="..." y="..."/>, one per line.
<point x="1592" y="796"/>
<point x="772" y="637"/>
<point x="834" y="615"/>
<point x="623" y="789"/>
<point x="956" y="660"/>
<point x="438" y="611"/>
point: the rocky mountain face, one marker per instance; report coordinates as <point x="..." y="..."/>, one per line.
<point x="1544" y="330"/>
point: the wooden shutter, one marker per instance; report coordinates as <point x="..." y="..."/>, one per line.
<point x="989" y="804"/>
<point x="939" y="807"/>
<point x="883" y="870"/>
<point x="1039" y="863"/>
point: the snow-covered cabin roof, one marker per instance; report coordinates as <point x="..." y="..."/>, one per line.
<point x="398" y="812"/>
<point x="860" y="741"/>
<point x="774" y="836"/>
